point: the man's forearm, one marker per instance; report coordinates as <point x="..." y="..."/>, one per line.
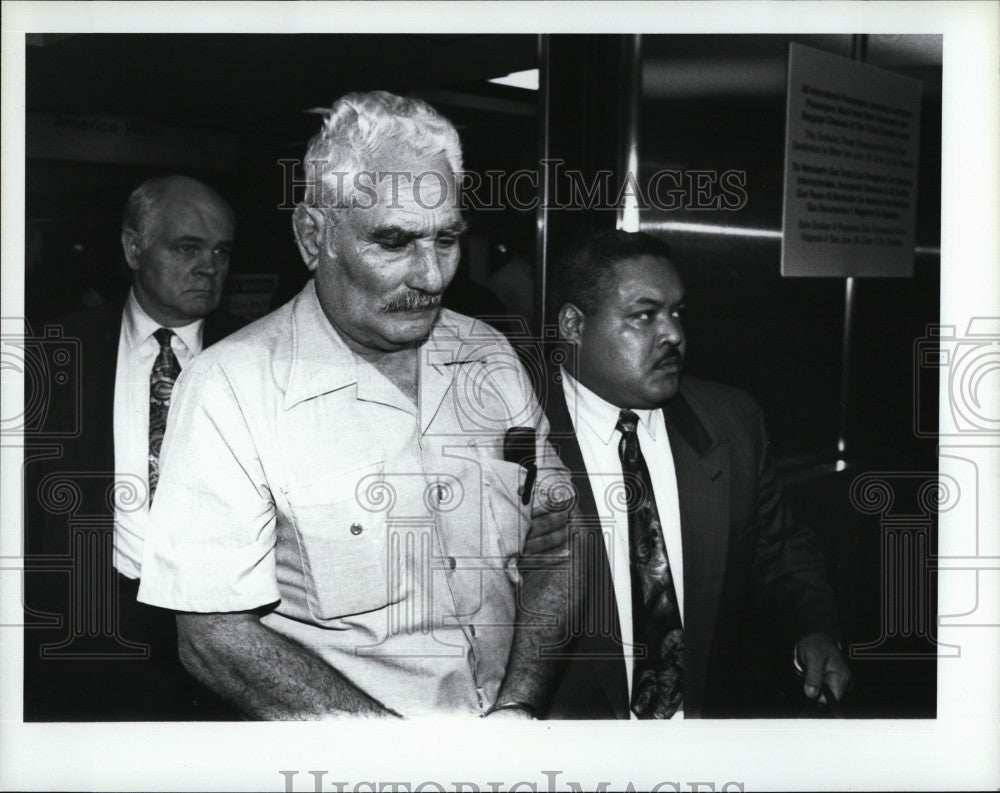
<point x="264" y="674"/>
<point x="544" y="603"/>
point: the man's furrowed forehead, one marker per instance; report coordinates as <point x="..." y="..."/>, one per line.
<point x="223" y="241"/>
<point x="415" y="191"/>
<point x="408" y="213"/>
<point x="422" y="225"/>
<point x="644" y="280"/>
<point x="403" y="176"/>
<point x="201" y="216"/>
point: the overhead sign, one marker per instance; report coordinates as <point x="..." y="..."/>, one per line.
<point x="124" y="141"/>
<point x="851" y="155"/>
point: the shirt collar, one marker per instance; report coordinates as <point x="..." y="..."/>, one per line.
<point x="139" y="326"/>
<point x="322" y="362"/>
<point x="600" y="416"/>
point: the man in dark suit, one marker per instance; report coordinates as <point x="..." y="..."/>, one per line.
<point x="91" y="651"/>
<point x="684" y="532"/>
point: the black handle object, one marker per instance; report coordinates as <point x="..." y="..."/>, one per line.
<point x="519" y="447"/>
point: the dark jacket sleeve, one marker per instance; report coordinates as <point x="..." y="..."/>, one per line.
<point x="788" y="570"/>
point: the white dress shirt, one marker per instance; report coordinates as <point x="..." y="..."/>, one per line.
<point x="137" y="350"/>
<point x="594" y="422"/>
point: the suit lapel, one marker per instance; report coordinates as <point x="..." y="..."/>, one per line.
<point x="701" y="467"/>
<point x="98" y="333"/>
<point x="101" y="388"/>
<point x="596" y="570"/>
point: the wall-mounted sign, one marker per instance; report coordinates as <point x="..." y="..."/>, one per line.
<point x="851" y="155"/>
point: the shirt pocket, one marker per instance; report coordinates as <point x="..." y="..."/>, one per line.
<point x="503" y="483"/>
<point x="341" y="528"/>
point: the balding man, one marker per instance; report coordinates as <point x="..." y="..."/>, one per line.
<point x="120" y="658"/>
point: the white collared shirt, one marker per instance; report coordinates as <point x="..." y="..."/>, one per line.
<point x="385" y="532"/>
<point x="137" y="350"/>
<point x="594" y="422"/>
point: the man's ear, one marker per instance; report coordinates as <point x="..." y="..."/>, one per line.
<point x="571" y="322"/>
<point x="131" y="247"/>
<point x="309" y="224"/>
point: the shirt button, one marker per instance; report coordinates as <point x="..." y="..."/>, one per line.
<point x="452" y="564"/>
<point x="356" y="529"/>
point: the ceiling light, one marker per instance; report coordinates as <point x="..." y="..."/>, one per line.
<point x="527" y="79"/>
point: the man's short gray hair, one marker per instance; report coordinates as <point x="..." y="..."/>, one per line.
<point x="142" y="208"/>
<point x="358" y="126"/>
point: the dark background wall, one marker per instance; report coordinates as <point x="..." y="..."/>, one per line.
<point x="837" y="411"/>
<point x="229" y="108"/>
<point x="253" y="92"/>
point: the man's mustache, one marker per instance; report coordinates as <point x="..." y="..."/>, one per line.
<point x="412" y="301"/>
<point x="673" y="357"/>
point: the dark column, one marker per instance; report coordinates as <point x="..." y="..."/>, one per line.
<point x="585" y="104"/>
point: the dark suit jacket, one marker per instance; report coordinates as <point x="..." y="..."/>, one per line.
<point x="83" y="638"/>
<point x="741" y="552"/>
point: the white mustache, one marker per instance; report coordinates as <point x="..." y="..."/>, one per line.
<point x="413" y="301"/>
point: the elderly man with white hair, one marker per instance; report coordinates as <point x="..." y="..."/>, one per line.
<point x="337" y="523"/>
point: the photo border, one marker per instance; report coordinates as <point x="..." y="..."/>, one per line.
<point x="957" y="750"/>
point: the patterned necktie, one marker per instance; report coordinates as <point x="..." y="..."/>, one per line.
<point x="161" y="385"/>
<point x="658" y="678"/>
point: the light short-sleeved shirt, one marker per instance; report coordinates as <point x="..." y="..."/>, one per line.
<point x="385" y="533"/>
